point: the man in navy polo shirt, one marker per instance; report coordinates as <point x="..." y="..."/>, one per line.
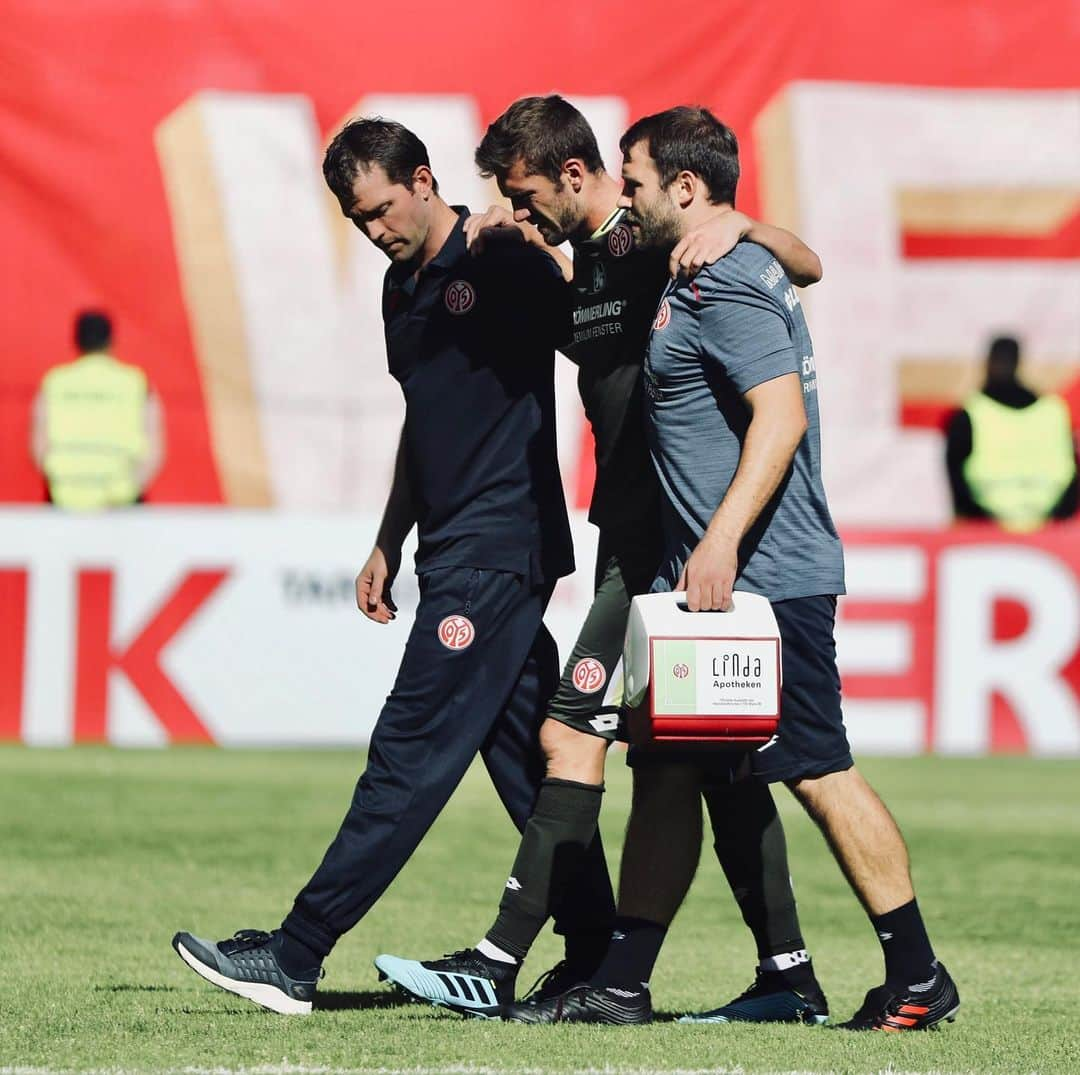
<point x="477" y="473"/>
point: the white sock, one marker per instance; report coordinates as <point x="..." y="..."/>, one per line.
<point x="785" y="960"/>
<point x="493" y="951"/>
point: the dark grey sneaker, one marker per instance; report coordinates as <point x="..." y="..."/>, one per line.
<point x="246" y="965"/>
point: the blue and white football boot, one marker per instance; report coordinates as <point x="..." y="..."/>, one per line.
<point x="465" y="981"/>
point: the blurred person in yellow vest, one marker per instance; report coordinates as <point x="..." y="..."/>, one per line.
<point x="96" y="432"/>
<point x="1009" y="453"/>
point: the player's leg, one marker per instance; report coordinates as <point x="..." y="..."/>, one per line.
<point x="440" y="711"/>
<point x="749" y="840"/>
<point x="660" y="857"/>
<point x="812" y="756"/>
<point x="582" y="722"/>
<point x="560" y="843"/>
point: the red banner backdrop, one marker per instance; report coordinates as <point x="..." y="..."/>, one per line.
<point x="86" y="214"/>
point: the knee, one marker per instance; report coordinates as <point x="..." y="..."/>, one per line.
<point x="818" y="794"/>
<point x="572" y="755"/>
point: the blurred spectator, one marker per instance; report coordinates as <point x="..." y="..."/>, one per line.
<point x="1010" y="453"/>
<point x="96" y="429"/>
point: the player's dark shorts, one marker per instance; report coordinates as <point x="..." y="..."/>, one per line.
<point x="590" y="691"/>
<point x="811" y="740"/>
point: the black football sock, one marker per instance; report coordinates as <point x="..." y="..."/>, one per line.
<point x="552" y="852"/>
<point x="585" y="915"/>
<point x="294" y="957"/>
<point x="750" y="844"/>
<point x="908" y="956"/>
<point x="631" y="955"/>
<point x="585" y="950"/>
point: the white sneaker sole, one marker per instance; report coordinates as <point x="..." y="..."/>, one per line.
<point x="266" y="996"/>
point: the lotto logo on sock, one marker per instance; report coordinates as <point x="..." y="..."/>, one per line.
<point x="456" y="632"/>
<point x="589" y="675"/>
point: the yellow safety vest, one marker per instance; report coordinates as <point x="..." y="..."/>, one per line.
<point x="95" y="423"/>
<point x="1021" y="459"/>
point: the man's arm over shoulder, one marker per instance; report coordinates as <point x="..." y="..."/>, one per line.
<point x="718" y="236"/>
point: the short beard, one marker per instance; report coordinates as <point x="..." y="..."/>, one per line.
<point x="566" y="224"/>
<point x="658" y="226"/>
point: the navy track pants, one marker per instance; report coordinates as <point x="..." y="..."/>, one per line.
<point x="488" y="695"/>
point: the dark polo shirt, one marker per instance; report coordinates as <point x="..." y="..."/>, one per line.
<point x="472" y="343"/>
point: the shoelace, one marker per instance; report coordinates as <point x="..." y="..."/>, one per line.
<point x="462" y="953"/>
<point x="548" y="976"/>
<point x="244" y="940"/>
<point x="751" y="990"/>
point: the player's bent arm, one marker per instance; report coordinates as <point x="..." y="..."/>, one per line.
<point x="802" y="265"/>
<point x="777" y="425"/>
<point x="717" y="236"/>
<point x="566" y="266"/>
<point x="480" y="226"/>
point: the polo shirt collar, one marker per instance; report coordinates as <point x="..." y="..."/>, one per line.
<point x="402" y="276"/>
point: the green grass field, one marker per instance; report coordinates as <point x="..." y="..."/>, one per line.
<point x="105" y="854"/>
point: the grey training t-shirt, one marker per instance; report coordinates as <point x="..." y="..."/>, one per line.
<point x="737" y="324"/>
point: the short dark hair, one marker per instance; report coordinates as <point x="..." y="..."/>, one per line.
<point x="1005" y="350"/>
<point x="93" y="331"/>
<point x="690" y="139"/>
<point x="367" y="141"/>
<point x="542" y="132"/>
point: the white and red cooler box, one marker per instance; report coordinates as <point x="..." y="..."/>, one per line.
<point x="209" y="625"/>
<point x="703" y="676"/>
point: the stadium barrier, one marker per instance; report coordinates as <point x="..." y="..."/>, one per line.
<point x="163" y="626"/>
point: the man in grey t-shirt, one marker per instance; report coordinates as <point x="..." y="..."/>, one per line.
<point x="736" y="326"/>
<point x="732" y="412"/>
